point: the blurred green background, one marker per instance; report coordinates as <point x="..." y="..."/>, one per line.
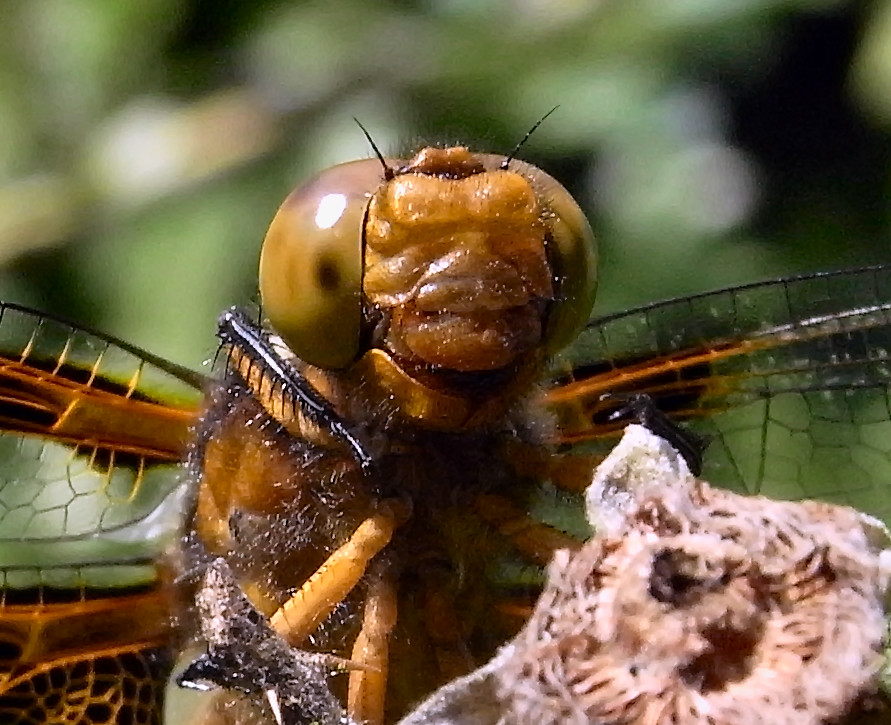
<point x="144" y="145"/>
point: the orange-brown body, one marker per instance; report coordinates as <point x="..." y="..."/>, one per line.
<point x="458" y="286"/>
<point x="444" y="559"/>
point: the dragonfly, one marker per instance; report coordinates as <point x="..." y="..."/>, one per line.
<point x="358" y="507"/>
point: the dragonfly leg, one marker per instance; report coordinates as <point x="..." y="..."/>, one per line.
<point x="644" y="409"/>
<point x="368" y="683"/>
<point x="534" y="540"/>
<point x="443" y="625"/>
<point x="309" y="606"/>
<point x="250" y="667"/>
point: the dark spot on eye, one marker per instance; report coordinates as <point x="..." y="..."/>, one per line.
<point x="327" y="275"/>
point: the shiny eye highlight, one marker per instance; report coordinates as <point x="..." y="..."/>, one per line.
<point x="311" y="264"/>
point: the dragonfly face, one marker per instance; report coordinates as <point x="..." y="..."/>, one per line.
<point x="451" y="268"/>
<point x="381" y="478"/>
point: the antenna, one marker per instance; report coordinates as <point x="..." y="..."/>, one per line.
<point x="510" y="156"/>
<point x="388" y="172"/>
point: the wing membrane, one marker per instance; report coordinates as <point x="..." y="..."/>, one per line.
<point x="104" y="422"/>
<point x="75" y="385"/>
<point x="789" y="379"/>
<point x="83" y="656"/>
<point x="93" y="433"/>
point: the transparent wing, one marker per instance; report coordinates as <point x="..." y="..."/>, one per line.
<point x="789" y="379"/>
<point x="93" y="429"/>
<point x="92" y="434"/>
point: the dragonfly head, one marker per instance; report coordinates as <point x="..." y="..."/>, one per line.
<point x="450" y="261"/>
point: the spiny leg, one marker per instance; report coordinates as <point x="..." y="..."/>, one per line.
<point x="257" y="672"/>
<point x="291" y="682"/>
<point x="447" y="634"/>
<point x="532" y="539"/>
<point x="368" y="684"/>
<point x="307" y="608"/>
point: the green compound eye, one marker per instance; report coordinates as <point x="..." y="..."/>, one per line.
<point x="572" y="254"/>
<point x="311" y="264"/>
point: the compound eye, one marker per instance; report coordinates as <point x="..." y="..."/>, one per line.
<point x="311" y="264"/>
<point x="572" y="254"/>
